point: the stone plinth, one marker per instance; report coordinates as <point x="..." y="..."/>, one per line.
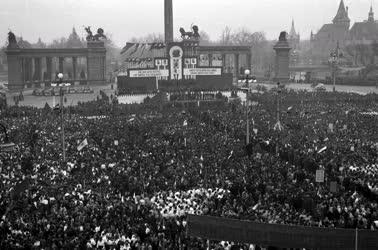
<point x="14" y="69"/>
<point x="281" y="69"/>
<point x="96" y="62"/>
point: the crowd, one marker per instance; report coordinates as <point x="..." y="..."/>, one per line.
<point x="145" y="167"/>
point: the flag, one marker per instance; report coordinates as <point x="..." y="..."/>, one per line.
<point x="82" y="145"/>
<point x="278" y="126"/>
<point x="232" y="152"/>
<point x="330" y="127"/>
<point x="322" y="150"/>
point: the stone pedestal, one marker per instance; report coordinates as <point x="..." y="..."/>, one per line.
<point x="96" y="62"/>
<point x="281" y="69"/>
<point x="15" y="81"/>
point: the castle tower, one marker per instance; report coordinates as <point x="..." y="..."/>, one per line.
<point x="294" y="37"/>
<point x="168" y="21"/>
<point x="342" y="17"/>
<point x="371" y="14"/>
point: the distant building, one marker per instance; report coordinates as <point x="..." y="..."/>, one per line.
<point x="364" y="32"/>
<point x="330" y="35"/>
<point x="294" y="37"/>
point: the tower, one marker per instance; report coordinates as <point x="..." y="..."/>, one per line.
<point x="342" y="17"/>
<point x="371" y="14"/>
<point x="294" y="37"/>
<point x="168" y="21"/>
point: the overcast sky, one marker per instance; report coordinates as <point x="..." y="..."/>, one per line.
<point x="125" y="19"/>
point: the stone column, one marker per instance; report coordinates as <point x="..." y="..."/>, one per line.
<point x="48" y="68"/>
<point x="29" y="69"/>
<point x="74" y="66"/>
<point x="236" y="65"/>
<point x="210" y="60"/>
<point x="37" y="69"/>
<point x="61" y="60"/>
<point x="224" y="63"/>
<point x="168" y="21"/>
<point x="23" y="70"/>
<point x="249" y="63"/>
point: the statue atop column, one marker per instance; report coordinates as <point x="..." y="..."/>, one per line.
<point x="282" y="37"/>
<point x="12" y="42"/>
<point x="190" y="35"/>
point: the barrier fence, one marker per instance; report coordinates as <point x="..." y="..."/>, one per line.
<point x="285" y="236"/>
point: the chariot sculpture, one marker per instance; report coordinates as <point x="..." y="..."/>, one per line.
<point x="91" y="37"/>
<point x="190" y="35"/>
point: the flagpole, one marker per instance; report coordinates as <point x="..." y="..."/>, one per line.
<point x="278" y="116"/>
<point x="356" y="241"/>
<point x="62" y="122"/>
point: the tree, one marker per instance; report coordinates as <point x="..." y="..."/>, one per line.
<point x="261" y="49"/>
<point x="39" y="44"/>
<point x="74" y="41"/>
<point x="226" y="36"/>
<point x="204" y="38"/>
<point x="149" y="38"/>
<point x="113" y="54"/>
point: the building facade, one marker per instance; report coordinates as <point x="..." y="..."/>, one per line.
<point x="330" y="35"/>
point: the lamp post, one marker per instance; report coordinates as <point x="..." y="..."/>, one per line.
<point x="247" y="72"/>
<point x="61" y="93"/>
<point x="278" y="124"/>
<point x="334" y="60"/>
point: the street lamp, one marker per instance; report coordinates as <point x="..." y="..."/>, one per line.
<point x="61" y="93"/>
<point x="247" y="72"/>
<point x="278" y="125"/>
<point x="334" y="60"/>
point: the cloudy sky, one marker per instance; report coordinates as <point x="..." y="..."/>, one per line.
<point x="125" y="19"/>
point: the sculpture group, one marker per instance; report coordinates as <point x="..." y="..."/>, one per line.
<point x="190" y="35"/>
<point x="91" y="37"/>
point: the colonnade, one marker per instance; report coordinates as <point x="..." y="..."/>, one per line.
<point x="45" y="69"/>
<point x="235" y="68"/>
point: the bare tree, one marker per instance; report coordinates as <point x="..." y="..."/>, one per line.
<point x="149" y="38"/>
<point x="204" y="38"/>
<point x="226" y="37"/>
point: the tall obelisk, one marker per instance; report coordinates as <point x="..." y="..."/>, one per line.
<point x="168" y="21"/>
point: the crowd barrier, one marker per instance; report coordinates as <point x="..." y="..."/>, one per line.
<point x="285" y="236"/>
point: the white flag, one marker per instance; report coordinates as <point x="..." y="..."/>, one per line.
<point x="278" y="126"/>
<point x="322" y="150"/>
<point x="82" y="145"/>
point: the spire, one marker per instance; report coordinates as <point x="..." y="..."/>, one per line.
<point x="371" y="14"/>
<point x="292" y="30"/>
<point x="342" y="14"/>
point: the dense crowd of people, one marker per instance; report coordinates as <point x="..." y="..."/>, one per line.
<point x="144" y="167"/>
